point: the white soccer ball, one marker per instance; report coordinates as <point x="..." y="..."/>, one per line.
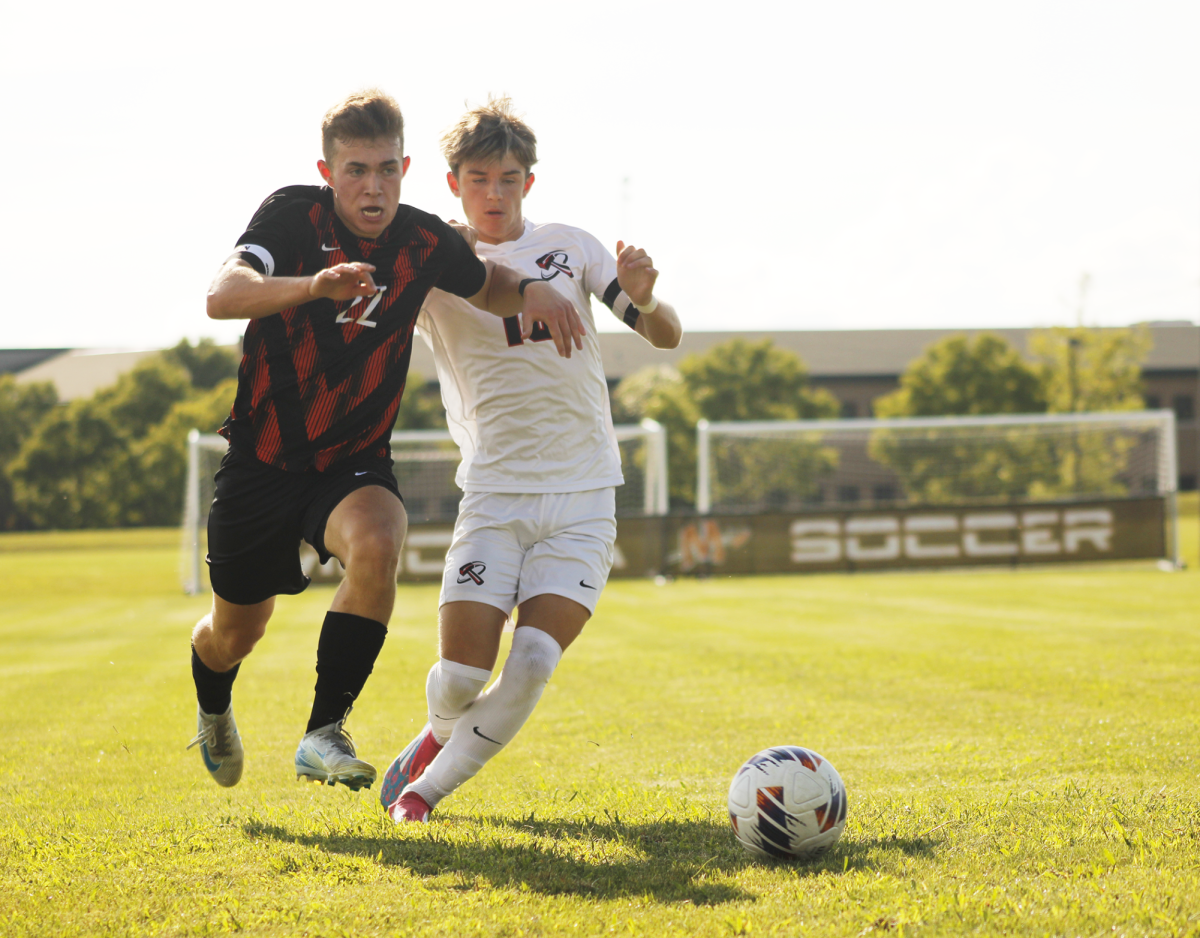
<point x="787" y="802"/>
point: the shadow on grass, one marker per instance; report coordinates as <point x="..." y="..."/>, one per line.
<point x="668" y="860"/>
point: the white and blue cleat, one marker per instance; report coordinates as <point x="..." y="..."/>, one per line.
<point x="327" y="755"/>
<point x="220" y="746"/>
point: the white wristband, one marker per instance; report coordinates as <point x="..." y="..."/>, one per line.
<point x="649" y="307"/>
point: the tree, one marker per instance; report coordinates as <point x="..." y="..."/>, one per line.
<point x="159" y="460"/>
<point x="1091" y="369"/>
<point x="76" y="469"/>
<point x="958" y="376"/>
<point x="420" y="407"/>
<point x="1074" y="370"/>
<point x="22" y="407"/>
<point x="206" y="363"/>
<point x="736" y="380"/>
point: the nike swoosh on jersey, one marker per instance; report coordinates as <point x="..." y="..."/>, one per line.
<point x="334" y="248"/>
<point x="586" y="586"/>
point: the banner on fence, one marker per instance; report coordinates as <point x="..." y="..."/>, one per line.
<point x="1125" y="529"/>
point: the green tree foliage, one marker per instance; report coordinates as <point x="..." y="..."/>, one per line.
<point x="420" y="407"/>
<point x="205" y="362"/>
<point x="1073" y="370"/>
<point x="78" y="468"/>
<point x="736" y="380"/>
<point x="22" y="406"/>
<point x="1091" y="369"/>
<point x="961" y="376"/>
<point x="160" y="458"/>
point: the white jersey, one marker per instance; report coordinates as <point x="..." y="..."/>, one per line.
<point x="526" y="419"/>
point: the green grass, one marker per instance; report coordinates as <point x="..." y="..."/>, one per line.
<point x="1020" y="749"/>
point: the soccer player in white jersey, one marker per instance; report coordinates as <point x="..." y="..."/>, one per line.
<point x="540" y="463"/>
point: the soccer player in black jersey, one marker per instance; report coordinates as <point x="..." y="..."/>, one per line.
<point x="332" y="279"/>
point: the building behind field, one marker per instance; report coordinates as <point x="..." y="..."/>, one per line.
<point x="857" y="366"/>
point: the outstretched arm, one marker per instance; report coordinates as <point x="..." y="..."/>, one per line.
<point x="502" y="296"/>
<point x="241" y="292"/>
<point x="657" y="322"/>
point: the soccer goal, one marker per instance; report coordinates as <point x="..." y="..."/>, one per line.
<point x="869" y="474"/>
<point x="424" y="462"/>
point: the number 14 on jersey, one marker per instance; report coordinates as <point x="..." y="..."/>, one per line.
<point x="512" y="332"/>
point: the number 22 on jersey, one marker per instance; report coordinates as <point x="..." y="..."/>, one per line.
<point x="364" y="319"/>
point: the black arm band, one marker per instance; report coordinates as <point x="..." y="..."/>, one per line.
<point x="526" y="282"/>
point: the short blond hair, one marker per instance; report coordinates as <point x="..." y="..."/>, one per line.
<point x="369" y="114"/>
<point x="487" y="134"/>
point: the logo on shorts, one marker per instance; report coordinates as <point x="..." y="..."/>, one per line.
<point x="553" y="264"/>
<point x="472" y="571"/>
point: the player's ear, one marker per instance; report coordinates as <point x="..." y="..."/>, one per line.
<point x="404" y="166"/>
<point x="326" y="172"/>
<point x="529" y="177"/>
<point x="452" y="181"/>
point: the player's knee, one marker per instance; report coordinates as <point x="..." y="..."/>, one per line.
<point x="452" y="691"/>
<point x="239" y="642"/>
<point x="531" y="664"/>
<point x="376" y="552"/>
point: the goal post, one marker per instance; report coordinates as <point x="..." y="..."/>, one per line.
<point x="425" y="463"/>
<point x="893" y="465"/>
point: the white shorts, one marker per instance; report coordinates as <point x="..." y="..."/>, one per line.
<point x="509" y="548"/>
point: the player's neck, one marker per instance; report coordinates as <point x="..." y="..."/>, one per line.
<point x="511" y="233"/>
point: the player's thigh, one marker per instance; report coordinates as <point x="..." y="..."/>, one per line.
<point x="368" y="521"/>
<point x="469" y="633"/>
<point x="573" y="562"/>
<point x="483" y="564"/>
<point x="561" y="618"/>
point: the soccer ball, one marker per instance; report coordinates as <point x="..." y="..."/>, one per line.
<point x="787" y="802"/>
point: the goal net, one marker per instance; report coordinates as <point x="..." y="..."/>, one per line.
<point x="424" y="462"/>
<point x="757" y="467"/>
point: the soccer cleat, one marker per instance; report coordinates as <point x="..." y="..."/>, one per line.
<point x="408" y="766"/>
<point x="220" y="746"/>
<point x="327" y="755"/>
<point x="410" y="807"/>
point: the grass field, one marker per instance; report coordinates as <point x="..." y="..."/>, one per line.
<point x="1020" y="750"/>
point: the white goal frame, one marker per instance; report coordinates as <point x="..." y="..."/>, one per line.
<point x="1162" y="420"/>
<point x="655" y="495"/>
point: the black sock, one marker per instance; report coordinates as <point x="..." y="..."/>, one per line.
<point x="213" y="688"/>
<point x="346" y="655"/>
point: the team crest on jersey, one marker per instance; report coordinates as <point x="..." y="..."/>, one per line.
<point x="553" y="264"/>
<point x="472" y="572"/>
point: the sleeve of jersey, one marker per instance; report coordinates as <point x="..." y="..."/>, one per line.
<point x="601" y="282"/>
<point x="271" y="245"/>
<point x="463" y="274"/>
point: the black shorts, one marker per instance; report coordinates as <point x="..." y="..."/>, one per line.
<point x="260" y="514"/>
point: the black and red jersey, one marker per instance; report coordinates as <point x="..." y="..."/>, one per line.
<point x="322" y="381"/>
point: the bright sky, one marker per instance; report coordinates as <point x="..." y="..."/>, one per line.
<point x="794" y="165"/>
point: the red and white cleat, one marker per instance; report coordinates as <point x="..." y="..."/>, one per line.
<point x="410" y="807"/>
<point x="408" y="766"/>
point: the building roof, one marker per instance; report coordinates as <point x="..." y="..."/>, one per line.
<point x="81" y="372"/>
<point x="13" y="360"/>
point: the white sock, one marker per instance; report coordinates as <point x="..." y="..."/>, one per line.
<point x="495" y="717"/>
<point x="450" y="689"/>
